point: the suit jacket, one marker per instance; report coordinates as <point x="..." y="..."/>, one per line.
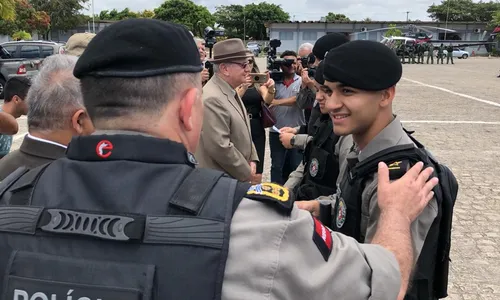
<point x="31" y="154"/>
<point x="226" y="139"/>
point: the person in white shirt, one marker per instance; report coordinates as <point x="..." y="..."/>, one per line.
<point x="55" y="115"/>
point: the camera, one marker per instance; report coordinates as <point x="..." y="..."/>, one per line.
<point x="307" y="60"/>
<point x="274" y="64"/>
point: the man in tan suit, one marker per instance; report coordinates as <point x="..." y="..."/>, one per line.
<point x="226" y="141"/>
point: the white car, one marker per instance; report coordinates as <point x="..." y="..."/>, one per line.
<point x="458" y="53"/>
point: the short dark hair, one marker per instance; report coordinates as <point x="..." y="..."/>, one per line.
<point x="288" y="53"/>
<point x="17" y="86"/>
<point x="112" y="97"/>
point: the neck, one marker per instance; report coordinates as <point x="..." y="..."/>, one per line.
<point x="362" y="140"/>
<point x="62" y="137"/>
<point x="9" y="108"/>
<point x="290" y="76"/>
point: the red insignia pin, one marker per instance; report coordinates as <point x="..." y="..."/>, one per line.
<point x="322" y="237"/>
<point x="103" y="149"/>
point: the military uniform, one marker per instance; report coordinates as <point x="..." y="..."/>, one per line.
<point x="130" y="216"/>
<point x="449" y="54"/>
<point x="430" y="53"/>
<point x="354" y="209"/>
<point x="440" y="54"/>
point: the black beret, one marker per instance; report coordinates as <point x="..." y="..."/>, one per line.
<point x="365" y="65"/>
<point x="139" y="48"/>
<point x="327" y="42"/>
<point x="318" y="77"/>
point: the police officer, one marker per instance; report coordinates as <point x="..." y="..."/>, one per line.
<point x="127" y="215"/>
<point x="430" y="52"/>
<point x="359" y="101"/>
<point x="449" y="54"/>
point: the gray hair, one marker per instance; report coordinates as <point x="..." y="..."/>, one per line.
<point x="216" y="68"/>
<point x="106" y="98"/>
<point x="307" y="46"/>
<point x="198" y="40"/>
<point x="54" y="95"/>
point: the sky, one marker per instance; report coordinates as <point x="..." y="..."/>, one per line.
<point x="305" y="10"/>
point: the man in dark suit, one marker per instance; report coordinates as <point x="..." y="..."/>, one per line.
<point x="55" y="114"/>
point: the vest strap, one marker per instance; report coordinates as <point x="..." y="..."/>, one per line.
<point x="195" y="188"/>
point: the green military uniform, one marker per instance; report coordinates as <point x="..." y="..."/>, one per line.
<point x="440" y="54"/>
<point x="403" y="53"/>
<point x="449" y="54"/>
<point x="412" y="53"/>
<point x="421" y="50"/>
<point x="430" y="52"/>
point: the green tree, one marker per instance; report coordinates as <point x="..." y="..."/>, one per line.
<point x="147" y="14"/>
<point x="332" y="17"/>
<point x="367" y="20"/>
<point x="463" y="11"/>
<point x="195" y="17"/>
<point x="21" y="35"/>
<point x="393" y="31"/>
<point x="27" y="20"/>
<point x="250" y="19"/>
<point x="64" y="14"/>
<point x="7" y="10"/>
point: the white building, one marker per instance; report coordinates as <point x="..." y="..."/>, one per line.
<point x="293" y="34"/>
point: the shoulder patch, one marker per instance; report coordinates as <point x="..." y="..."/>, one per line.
<point x="397" y="169"/>
<point x="322" y="237"/>
<point x="272" y="193"/>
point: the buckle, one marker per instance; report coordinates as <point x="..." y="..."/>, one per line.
<point x="250" y="116"/>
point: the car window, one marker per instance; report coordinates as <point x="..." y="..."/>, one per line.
<point x="30" y="52"/>
<point x="47" y="51"/>
<point x="11" y="49"/>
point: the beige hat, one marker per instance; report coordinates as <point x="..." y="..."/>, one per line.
<point x="230" y="50"/>
<point x="77" y="43"/>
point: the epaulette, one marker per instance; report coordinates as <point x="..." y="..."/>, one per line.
<point x="398" y="168"/>
<point x="275" y="194"/>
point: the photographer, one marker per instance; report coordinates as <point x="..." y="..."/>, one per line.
<point x="287" y="114"/>
<point x="200" y="44"/>
<point x="253" y="94"/>
<point x="305" y="98"/>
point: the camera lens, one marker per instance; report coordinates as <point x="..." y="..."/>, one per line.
<point x="256" y="78"/>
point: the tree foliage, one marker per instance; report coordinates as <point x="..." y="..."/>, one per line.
<point x="195" y="17"/>
<point x="332" y="17"/>
<point x="21" y="35"/>
<point x="64" y="14"/>
<point x="28" y="19"/>
<point x="7" y="10"/>
<point x="115" y="15"/>
<point x="250" y="19"/>
<point x="463" y="11"/>
<point x="393" y="31"/>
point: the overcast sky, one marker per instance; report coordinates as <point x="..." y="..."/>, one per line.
<point x="304" y="10"/>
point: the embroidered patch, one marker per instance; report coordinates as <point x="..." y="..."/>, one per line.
<point x="271" y="193"/>
<point x="314" y="168"/>
<point x="322" y="237"/>
<point x="341" y="212"/>
<point x="398" y="169"/>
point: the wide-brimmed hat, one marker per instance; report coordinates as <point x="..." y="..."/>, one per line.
<point x="229" y="50"/>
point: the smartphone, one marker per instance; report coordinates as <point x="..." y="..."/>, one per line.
<point x="258" y="77"/>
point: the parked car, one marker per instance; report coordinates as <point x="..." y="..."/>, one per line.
<point x="458" y="53"/>
<point x="33" y="49"/>
<point x="10" y="67"/>
<point x="254" y="47"/>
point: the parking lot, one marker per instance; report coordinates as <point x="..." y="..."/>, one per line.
<point x="455" y="112"/>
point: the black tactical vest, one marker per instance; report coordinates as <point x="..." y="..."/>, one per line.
<point x="74" y="230"/>
<point x="321" y="165"/>
<point x="348" y="209"/>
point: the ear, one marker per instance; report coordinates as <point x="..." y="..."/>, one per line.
<point x="16" y="99"/>
<point x="186" y="109"/>
<point x="77" y="121"/>
<point x="387" y="96"/>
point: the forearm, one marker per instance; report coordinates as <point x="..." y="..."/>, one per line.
<point x="393" y="233"/>
<point x="286" y="101"/>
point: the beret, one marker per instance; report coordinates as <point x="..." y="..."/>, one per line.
<point x="327" y="42"/>
<point x="139" y="48"/>
<point x="365" y="65"/>
<point x="318" y="77"/>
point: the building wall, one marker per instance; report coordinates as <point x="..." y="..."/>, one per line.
<point x="293" y="34"/>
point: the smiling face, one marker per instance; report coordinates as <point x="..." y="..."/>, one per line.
<point x="354" y="111"/>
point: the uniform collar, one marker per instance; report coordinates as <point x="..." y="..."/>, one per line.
<point x="390" y="136"/>
<point x="132" y="146"/>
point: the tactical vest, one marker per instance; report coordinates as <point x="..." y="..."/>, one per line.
<point x="321" y="165"/>
<point x="430" y="278"/>
<point x="56" y="252"/>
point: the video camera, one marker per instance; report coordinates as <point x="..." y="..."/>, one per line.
<point x="306" y="62"/>
<point x="210" y="39"/>
<point x="274" y="64"/>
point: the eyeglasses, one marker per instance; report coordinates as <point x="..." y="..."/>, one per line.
<point x="242" y="65"/>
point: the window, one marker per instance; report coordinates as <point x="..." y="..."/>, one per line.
<point x="47" y="51"/>
<point x="286" y="35"/>
<point x="30" y="52"/>
<point x="310" y="35"/>
<point x="12" y="50"/>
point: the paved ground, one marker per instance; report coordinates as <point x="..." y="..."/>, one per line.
<point x="455" y="111"/>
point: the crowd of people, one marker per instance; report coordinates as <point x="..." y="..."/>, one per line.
<point x="141" y="174"/>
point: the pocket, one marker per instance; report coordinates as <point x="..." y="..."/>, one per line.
<point x="40" y="276"/>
